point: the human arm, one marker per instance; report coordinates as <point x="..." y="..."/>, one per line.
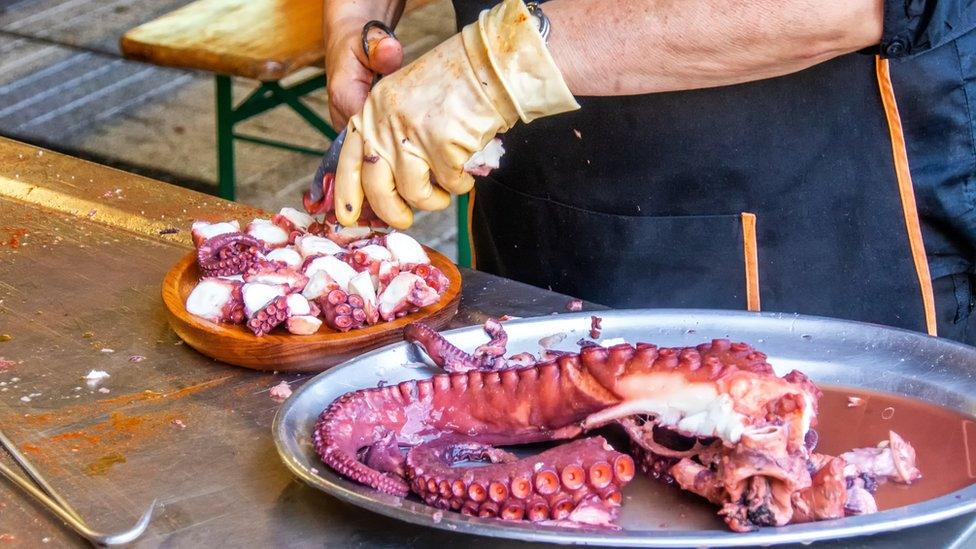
<point x="625" y="47"/>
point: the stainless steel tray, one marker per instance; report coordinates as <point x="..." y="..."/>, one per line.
<point x="830" y="351"/>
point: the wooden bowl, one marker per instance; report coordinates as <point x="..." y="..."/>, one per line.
<point x="279" y="350"/>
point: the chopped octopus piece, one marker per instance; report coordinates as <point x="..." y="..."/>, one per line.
<point x="362" y="285"/>
<point x="338" y="270"/>
<point x="280" y="391"/>
<point x="202" y="230"/>
<point x="405" y="293"/>
<point x="482" y="162"/>
<point x="269" y="234"/>
<point x="318" y="285"/>
<point x="277" y="311"/>
<point x="368" y="258"/>
<point x="342" y="311"/>
<point x="387" y="272"/>
<point x="303" y="324"/>
<point x="277" y="276"/>
<point x="310" y="245"/>
<point x="257" y="295"/>
<point x="228" y="254"/>
<point x="286" y="255"/>
<point x="216" y="300"/>
<point x="434" y="277"/>
<point x="343" y="236"/>
<point x="293" y="220"/>
<point x="893" y="459"/>
<point x="405" y="249"/>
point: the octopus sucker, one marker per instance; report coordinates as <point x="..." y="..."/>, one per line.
<point x="488" y="488"/>
<point x="343" y="311"/>
<point x="713" y="419"/>
<point x="228" y="254"/>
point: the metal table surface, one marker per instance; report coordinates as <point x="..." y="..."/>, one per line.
<point x="83" y="249"/>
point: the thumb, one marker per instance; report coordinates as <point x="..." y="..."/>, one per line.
<point x="385" y="52"/>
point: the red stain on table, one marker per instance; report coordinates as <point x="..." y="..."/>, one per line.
<point x="10" y="236"/>
<point x="98" y="435"/>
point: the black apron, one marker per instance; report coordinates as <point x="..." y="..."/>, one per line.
<point x="782" y="194"/>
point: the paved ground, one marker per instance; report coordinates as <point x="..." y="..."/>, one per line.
<point x="64" y="85"/>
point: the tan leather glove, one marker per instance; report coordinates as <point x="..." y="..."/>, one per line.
<point x="408" y="146"/>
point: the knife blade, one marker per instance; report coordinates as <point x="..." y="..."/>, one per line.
<point x="329" y="164"/>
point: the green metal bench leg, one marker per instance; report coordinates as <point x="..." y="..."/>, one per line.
<point x="225" y="138"/>
<point x="463" y="242"/>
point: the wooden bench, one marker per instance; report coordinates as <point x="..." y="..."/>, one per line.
<point x="261" y="40"/>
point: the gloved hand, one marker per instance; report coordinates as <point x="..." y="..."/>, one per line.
<point x="408" y="146"/>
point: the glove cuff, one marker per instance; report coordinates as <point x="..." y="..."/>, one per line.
<point x="521" y="60"/>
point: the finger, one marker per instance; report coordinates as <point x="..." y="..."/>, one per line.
<point x="381" y="191"/>
<point x="413" y="183"/>
<point x="385" y="52"/>
<point x="348" y="183"/>
<point x="336" y="118"/>
<point x="448" y="173"/>
<point x="346" y="99"/>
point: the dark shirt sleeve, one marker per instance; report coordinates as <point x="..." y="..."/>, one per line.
<point x="915" y="26"/>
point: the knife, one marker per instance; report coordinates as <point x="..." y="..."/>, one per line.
<point x="320" y="196"/>
<point x="328" y="165"/>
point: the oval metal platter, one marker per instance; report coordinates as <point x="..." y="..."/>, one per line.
<point x="832" y="352"/>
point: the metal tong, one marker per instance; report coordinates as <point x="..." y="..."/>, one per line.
<point x="57" y="505"/>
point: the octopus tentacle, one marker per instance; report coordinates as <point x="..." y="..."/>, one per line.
<point x="444" y="353"/>
<point x="361" y="419"/>
<point x="713" y="419"/>
<point x="498" y="342"/>
<point x="506" y="487"/>
<point x="450" y="358"/>
<point x="228" y="254"/>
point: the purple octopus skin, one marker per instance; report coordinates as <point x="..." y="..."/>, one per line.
<point x="361" y="419"/>
<point x="343" y="311"/>
<point x="269" y="317"/>
<point x="444" y="354"/>
<point x="228" y="254"/>
<point x="516" y="489"/>
<point x="452" y="359"/>
<point x="497" y="345"/>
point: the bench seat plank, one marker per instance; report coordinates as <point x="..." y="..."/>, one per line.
<point x="258" y="39"/>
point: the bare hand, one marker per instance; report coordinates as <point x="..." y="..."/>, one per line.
<point x="350" y="72"/>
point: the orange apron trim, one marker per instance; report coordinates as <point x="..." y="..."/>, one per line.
<point x="907" y="192"/>
<point x="750" y="251"/>
<point x="470" y="229"/>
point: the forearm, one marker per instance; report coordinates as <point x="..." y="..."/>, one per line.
<point x="624" y="47"/>
<point x="342" y="15"/>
